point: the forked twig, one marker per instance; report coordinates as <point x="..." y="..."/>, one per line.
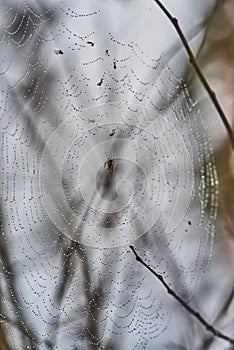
<point x="199" y="73"/>
<point x="207" y="325"/>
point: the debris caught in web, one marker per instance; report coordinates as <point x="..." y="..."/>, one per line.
<point x="58" y="52"/>
<point x="100" y="82"/>
<point x="112" y="132"/>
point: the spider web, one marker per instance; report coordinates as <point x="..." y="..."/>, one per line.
<point x="68" y="278"/>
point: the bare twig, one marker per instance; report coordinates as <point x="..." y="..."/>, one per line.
<point x="199" y="73"/>
<point x="207" y="325"/>
<point x="207" y="342"/>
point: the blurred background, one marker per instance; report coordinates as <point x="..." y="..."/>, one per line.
<point x="109" y="139"/>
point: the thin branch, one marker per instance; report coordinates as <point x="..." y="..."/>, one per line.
<point x="207" y="342"/>
<point x="207" y="325"/>
<point x="199" y="73"/>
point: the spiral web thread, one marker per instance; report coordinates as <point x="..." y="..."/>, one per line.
<point x="68" y="279"/>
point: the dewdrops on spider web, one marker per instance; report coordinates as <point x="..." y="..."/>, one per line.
<point x="161" y="153"/>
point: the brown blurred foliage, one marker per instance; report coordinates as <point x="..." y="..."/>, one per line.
<point x="216" y="57"/>
<point x="3" y="338"/>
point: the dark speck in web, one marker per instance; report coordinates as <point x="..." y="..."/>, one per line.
<point x="100" y="82"/>
<point x="58" y="52"/>
<point x="112" y="132"/>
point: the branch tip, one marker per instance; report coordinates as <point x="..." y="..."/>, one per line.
<point x="193" y="312"/>
<point x="199" y="73"/>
